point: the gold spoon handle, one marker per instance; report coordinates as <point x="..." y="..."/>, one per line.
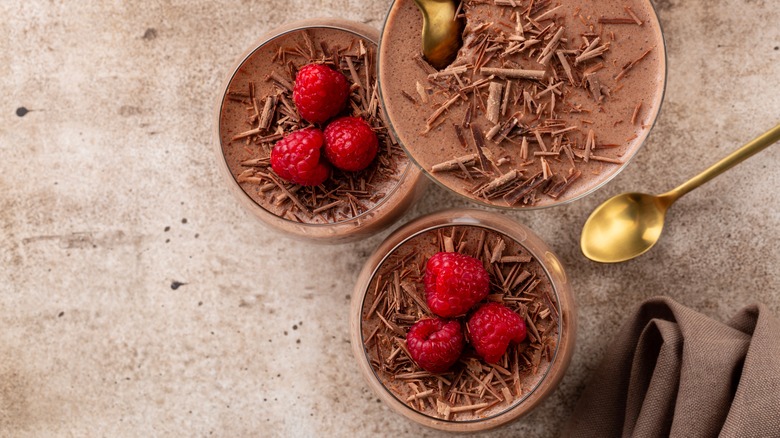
<point x="441" y="31"/>
<point x="758" y="144"/>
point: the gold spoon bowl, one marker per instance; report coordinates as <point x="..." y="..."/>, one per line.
<point x="633" y="220"/>
<point x="628" y="225"/>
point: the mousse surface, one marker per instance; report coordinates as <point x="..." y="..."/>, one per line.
<point x="471" y="389"/>
<point x="258" y="110"/>
<point x="545" y="101"/>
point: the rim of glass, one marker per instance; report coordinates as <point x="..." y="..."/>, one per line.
<point x="267" y="38"/>
<point x="517" y="402"/>
<point x="591" y="190"/>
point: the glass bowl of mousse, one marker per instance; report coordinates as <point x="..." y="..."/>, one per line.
<point x="257" y="110"/>
<point x="545" y="102"/>
<point x="393" y="295"/>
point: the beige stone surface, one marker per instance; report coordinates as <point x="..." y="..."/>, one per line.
<point x="109" y="193"/>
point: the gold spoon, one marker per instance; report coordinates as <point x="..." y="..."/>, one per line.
<point x="628" y="225"/>
<point x="441" y="33"/>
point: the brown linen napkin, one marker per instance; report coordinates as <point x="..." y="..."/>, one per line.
<point x="672" y="371"/>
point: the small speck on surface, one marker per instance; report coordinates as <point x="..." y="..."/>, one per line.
<point x="60" y="315"/>
<point x="22" y="111"/>
<point x="166" y="229"/>
<point x="184" y="220"/>
<point x="177" y="284"/>
<point x="150" y="34"/>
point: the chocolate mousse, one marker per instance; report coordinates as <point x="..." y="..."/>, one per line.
<point x="545" y="102"/>
<point x="257" y="110"/>
<point x="471" y="389"/>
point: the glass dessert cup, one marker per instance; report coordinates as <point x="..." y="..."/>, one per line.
<point x="367" y="299"/>
<point x="435" y="143"/>
<point x="399" y="191"/>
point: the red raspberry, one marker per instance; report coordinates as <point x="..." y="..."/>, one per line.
<point x="296" y="158"/>
<point x="454" y="282"/>
<point x="320" y="92"/>
<point x="492" y="327"/>
<point x="350" y="143"/>
<point x="435" y="344"/>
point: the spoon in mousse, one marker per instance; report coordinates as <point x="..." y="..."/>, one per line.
<point x="628" y="225"/>
<point x="441" y="32"/>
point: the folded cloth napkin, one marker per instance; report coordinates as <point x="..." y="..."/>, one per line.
<point x="672" y="371"/>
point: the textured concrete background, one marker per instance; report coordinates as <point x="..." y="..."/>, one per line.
<point x="111" y="197"/>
